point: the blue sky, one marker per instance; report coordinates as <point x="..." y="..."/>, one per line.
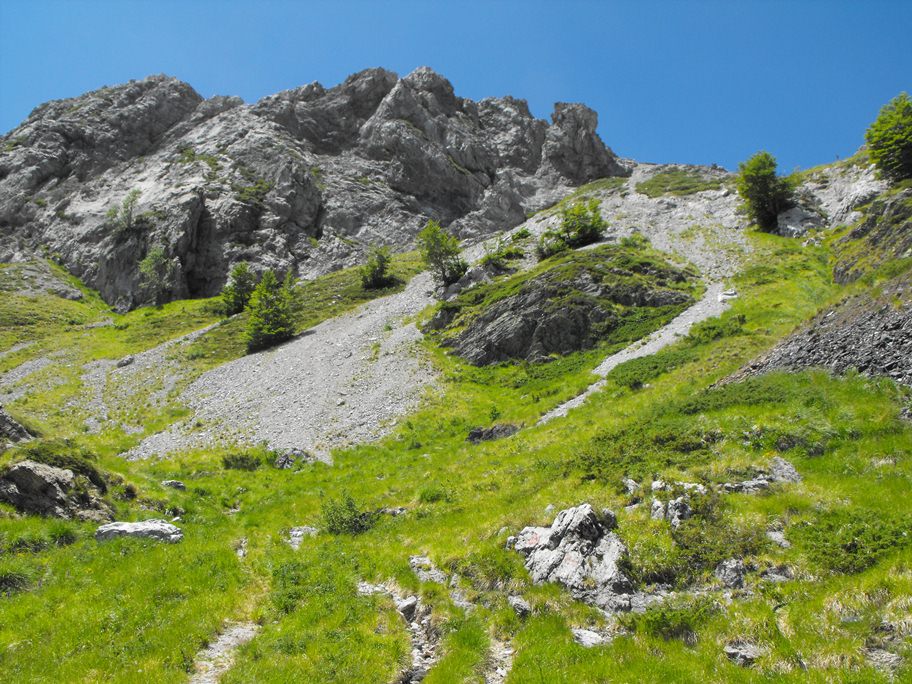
<point x="698" y="82"/>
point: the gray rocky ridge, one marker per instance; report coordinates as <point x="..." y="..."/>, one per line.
<point x="301" y="180"/>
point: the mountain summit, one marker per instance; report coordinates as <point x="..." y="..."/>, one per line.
<point x="304" y="180"/>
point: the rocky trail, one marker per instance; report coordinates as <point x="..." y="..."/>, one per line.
<point x="713" y="303"/>
<point x="217" y="658"/>
<point x="343" y="382"/>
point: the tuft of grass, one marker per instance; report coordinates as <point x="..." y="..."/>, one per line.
<point x="678" y="182"/>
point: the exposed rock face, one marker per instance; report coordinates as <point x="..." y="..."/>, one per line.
<point x="499" y="431"/>
<point x="147" y="529"/>
<point x="10" y="430"/>
<point x="45" y="490"/>
<point x="301" y="180"/>
<point x="884" y="233"/>
<point x="872" y="336"/>
<point x="581" y="552"/>
<point x="558" y="313"/>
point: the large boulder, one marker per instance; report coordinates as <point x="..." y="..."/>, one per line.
<point x="580" y="551"/>
<point x="147" y="529"/>
<point x="46" y="490"/>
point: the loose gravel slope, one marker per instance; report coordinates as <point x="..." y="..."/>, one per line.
<point x="344" y="381"/>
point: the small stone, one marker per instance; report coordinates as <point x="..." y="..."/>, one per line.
<point x="731" y="573"/>
<point x="296" y="535"/>
<point x="783" y="471"/>
<point x="657" y="511"/>
<point x="743" y="653"/>
<point x="587" y="638"/>
<point x="778" y="538"/>
<point x="407" y="607"/>
<point x="520" y="606"/>
<point x="174" y="484"/>
<point x="631" y="486"/>
<point x="125" y="361"/>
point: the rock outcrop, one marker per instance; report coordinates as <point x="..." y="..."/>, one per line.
<point x="582" y="552"/>
<point x="10" y="430"/>
<point x="562" y="310"/>
<point x="158" y="530"/>
<point x="874" y="336"/>
<point x="42" y="489"/>
<point x="301" y="180"/>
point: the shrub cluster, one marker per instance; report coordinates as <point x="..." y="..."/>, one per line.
<point x="440" y="251"/>
<point x="849" y="541"/>
<point x="342" y="516"/>
<point x="375" y="273"/>
<point x="581" y="224"/>
<point x="241" y="462"/>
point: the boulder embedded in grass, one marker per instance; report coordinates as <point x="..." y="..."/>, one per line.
<point x="146" y="529"/>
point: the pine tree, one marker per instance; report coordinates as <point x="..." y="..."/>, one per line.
<point x="889" y="139"/>
<point x="764" y="193"/>
<point x="271" y="318"/>
<point x="237" y="292"/>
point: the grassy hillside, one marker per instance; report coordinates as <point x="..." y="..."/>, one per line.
<point x="149" y="607"/>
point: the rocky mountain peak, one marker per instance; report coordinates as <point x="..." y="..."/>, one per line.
<point x="303" y="180"/>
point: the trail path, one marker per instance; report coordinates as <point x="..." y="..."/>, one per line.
<point x="218" y="657"/>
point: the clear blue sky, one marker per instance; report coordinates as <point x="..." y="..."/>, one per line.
<point x="700" y="82"/>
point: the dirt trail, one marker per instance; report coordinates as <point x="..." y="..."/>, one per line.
<point x="217" y="658"/>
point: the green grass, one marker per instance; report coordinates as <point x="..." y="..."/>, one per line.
<point x="677" y="182"/>
<point x="150" y="607"/>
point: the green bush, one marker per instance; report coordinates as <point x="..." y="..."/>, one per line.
<point x="581" y="224"/>
<point x="673" y="619"/>
<point x="764" y="193"/>
<point x="889" y="139"/>
<point x="440" y="251"/>
<point x="500" y="253"/>
<point x="241" y="462"/>
<point x="640" y="449"/>
<point x="433" y="494"/>
<point x="342" y="516"/>
<point x="239" y="288"/>
<point x="375" y="273"/>
<point x="849" y="541"/>
<point x="123" y="217"/>
<point x="157" y="274"/>
<point x="637" y="372"/>
<point x="271" y="319"/>
<point x="714" y="329"/>
<point x="15" y="575"/>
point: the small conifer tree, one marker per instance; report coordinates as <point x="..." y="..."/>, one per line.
<point x="271" y="318"/>
<point x="764" y="193"/>
<point x="239" y="288"/>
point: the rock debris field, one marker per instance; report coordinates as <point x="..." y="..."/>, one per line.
<point x="343" y="382"/>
